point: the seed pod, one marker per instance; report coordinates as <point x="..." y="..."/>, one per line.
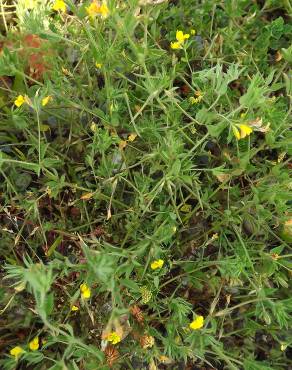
<point x="147" y="341"/>
<point x="145" y="294"/>
<point x="111" y="354"/>
<point x="137" y="314"/>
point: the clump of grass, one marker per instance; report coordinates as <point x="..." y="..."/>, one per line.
<point x="145" y="194"/>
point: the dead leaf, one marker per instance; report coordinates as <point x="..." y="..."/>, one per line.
<point x="152" y="365"/>
<point x="223" y="177"/>
<point x="109" y="214"/>
<point x="122" y="144"/>
<point x="165" y="360"/>
<point x="87" y="196"/>
<point x="278" y="57"/>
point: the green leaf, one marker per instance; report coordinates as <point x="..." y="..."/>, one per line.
<point x="175" y="169"/>
<point x="287" y="54"/>
<point x="49" y="304"/>
<point x="216" y="130"/>
<point x="277" y="250"/>
<point x="156" y="282"/>
<point x="55" y="245"/>
<point x="131" y="284"/>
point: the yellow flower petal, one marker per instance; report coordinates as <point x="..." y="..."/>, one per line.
<point x="157" y="264"/>
<point x="186" y="36"/>
<point x="59" y="5"/>
<point x="46" y="100"/>
<point x="98" y="65"/>
<point x="236" y="132"/>
<point x="93" y="9"/>
<point x="19" y="100"/>
<point x="113" y="337"/>
<point x="16" y="351"/>
<point x="195" y="100"/>
<point x="198" y="323"/>
<point x="34" y="344"/>
<point x="74" y="308"/>
<point x="245" y="130"/>
<point x="104" y="10"/>
<point x="175" y="45"/>
<point x="96" y="8"/>
<point x="180" y="36"/>
<point x="132" y="137"/>
<point x="85" y="291"/>
<point x="193" y="32"/>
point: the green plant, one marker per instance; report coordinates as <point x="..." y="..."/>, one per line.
<point x="145" y="187"/>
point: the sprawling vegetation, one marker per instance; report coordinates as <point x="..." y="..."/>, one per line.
<point x="145" y="162"/>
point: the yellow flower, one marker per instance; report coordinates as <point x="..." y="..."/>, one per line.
<point x="241" y="131"/>
<point x="236" y="132"/>
<point x="193" y="32"/>
<point x="245" y="130"/>
<point x="74" y="308"/>
<point x="195" y="100"/>
<point x="19" y="100"/>
<point x="198" y="97"/>
<point x="98" y="65"/>
<point x="85" y="291"/>
<point x="157" y="264"/>
<point x="16" y="351"/>
<point x="175" y="45"/>
<point x="104" y="11"/>
<point x="132" y="137"/>
<point x="113" y="337"/>
<point x="34" y="344"/>
<point x="198" y="323"/>
<point x="180" y="39"/>
<point x="95" y="9"/>
<point x="46" y="100"/>
<point x="59" y="5"/>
